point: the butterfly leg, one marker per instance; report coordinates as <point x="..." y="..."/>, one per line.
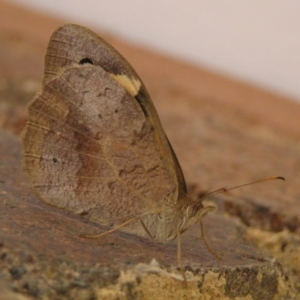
<point x="95" y="236"/>
<point x="179" y="258"/>
<point x="215" y="254"/>
<point x="147" y="231"/>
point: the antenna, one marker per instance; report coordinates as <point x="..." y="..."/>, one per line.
<point x="224" y="190"/>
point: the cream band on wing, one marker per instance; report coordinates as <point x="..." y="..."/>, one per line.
<point x="131" y="85"/>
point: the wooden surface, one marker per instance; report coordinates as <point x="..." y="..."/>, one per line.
<point x="224" y="133"/>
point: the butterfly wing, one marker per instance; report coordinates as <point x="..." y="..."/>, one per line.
<point x="71" y="44"/>
<point x="93" y="143"/>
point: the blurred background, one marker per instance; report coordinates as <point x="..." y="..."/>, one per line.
<point x="254" y="41"/>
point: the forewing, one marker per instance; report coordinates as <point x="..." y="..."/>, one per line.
<point x="71" y="44"/>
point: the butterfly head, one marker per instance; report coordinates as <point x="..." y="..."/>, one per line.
<point x="193" y="213"/>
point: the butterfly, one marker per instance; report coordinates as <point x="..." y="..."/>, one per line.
<point x="94" y="144"/>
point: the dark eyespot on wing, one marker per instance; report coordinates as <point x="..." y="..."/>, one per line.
<point x="86" y="60"/>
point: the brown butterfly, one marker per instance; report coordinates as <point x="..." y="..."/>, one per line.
<point x="94" y="144"/>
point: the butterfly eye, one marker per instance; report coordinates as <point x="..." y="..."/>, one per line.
<point x="86" y="60"/>
<point x="54" y="160"/>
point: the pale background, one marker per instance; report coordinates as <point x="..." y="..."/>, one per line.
<point x="252" y="40"/>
